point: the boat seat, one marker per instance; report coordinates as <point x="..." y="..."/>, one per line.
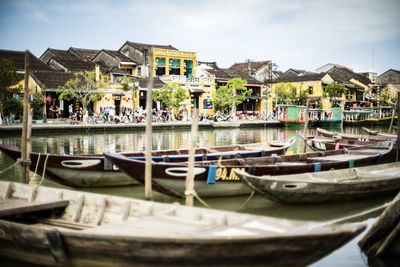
<point x="10" y="207"/>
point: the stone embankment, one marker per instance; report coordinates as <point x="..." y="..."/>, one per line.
<point x="63" y="126"/>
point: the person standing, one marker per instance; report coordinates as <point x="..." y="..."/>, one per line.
<point x="70" y="111"/>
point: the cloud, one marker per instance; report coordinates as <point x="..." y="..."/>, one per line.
<point x="295" y="33"/>
<point x="39" y="15"/>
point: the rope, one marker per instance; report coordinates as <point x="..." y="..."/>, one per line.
<point x="201" y="201"/>
<point x="247" y="201"/>
<point x="34" y="174"/>
<point x="44" y="168"/>
<point x="193" y="193"/>
<point x="9" y="167"/>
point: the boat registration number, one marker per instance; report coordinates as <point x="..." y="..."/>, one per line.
<point x="224" y="174"/>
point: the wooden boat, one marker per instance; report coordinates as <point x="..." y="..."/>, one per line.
<point x="217" y="178"/>
<point x="53" y="226"/>
<point x="94" y="171"/>
<point x="326" y="186"/>
<point x="294" y="116"/>
<point x="371" y="132"/>
<point x="382" y="238"/>
<point x="322" y="143"/>
<point x="368" y="116"/>
<point x="358" y="137"/>
<point x="331" y="117"/>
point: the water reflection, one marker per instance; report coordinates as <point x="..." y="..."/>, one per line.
<point x="99" y="143"/>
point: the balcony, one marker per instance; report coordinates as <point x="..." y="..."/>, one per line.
<point x="184" y="79"/>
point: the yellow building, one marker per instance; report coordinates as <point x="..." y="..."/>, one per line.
<point x="312" y="84"/>
<point x="173" y="66"/>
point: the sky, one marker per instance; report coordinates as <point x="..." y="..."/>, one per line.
<point x="360" y="34"/>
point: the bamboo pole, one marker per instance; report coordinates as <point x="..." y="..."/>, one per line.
<point x="149" y="132"/>
<point x="189" y="192"/>
<point x="398" y="126"/>
<point x="26" y="130"/>
<point x="341" y="117"/>
<point x="306" y="124"/>
<point x="392" y="120"/>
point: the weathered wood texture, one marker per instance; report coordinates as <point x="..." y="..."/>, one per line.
<point x="19" y="207"/>
<point x="106" y="234"/>
<point x="383" y="236"/>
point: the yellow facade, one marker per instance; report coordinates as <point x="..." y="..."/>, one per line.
<point x="314" y="90"/>
<point x="113" y="92"/>
<point x="189" y="81"/>
<point x="167" y="55"/>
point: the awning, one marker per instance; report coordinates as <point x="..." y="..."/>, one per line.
<point x="251" y="84"/>
<point x="197" y="91"/>
<point x="253" y="97"/>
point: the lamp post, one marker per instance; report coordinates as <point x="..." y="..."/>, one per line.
<point x="134" y="86"/>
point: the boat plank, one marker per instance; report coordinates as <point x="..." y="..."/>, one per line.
<point x="153" y="226"/>
<point x="17" y="206"/>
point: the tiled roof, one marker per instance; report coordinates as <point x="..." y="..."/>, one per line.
<point x="142" y="46"/>
<point x="88" y="54"/>
<point x="254" y="65"/>
<point x="296" y="71"/>
<point x="235" y="73"/>
<point x="216" y="71"/>
<point x="157" y="83"/>
<point x="52" y="79"/>
<point x="397" y="71"/>
<point x="69" y="61"/>
<point x="301" y="78"/>
<point x="118" y="55"/>
<point x="61" y="53"/>
<point x="18" y="60"/>
<point x="75" y="64"/>
<point x="344" y="75"/>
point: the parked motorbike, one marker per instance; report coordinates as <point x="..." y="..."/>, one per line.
<point x="202" y="117"/>
<point x="222" y="117"/>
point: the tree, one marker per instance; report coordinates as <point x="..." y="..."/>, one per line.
<point x="8" y="77"/>
<point x="126" y="80"/>
<point x="302" y="96"/>
<point x="333" y="90"/>
<point x="385" y="95"/>
<point x="38" y="104"/>
<point x="170" y="95"/>
<point x="231" y="94"/>
<point x="286" y="92"/>
<point x="82" y="88"/>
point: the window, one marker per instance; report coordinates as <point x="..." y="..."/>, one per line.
<point x="310" y="90"/>
<point x="188" y="67"/>
<point x="160" y="66"/>
<point x="174" y="66"/>
<point x="160" y="71"/>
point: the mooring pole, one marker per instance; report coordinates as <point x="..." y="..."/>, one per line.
<point x="306" y="124"/>
<point x="341" y="116"/>
<point x="26" y="128"/>
<point x="398" y="126"/>
<point x="392" y="120"/>
<point x="149" y="131"/>
<point x="189" y="192"/>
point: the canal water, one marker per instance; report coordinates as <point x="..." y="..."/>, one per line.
<point x="124" y="141"/>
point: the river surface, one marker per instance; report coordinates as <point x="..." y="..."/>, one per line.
<point x="124" y="141"/>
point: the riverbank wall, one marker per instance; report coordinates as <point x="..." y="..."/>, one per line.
<point x="63" y="126"/>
